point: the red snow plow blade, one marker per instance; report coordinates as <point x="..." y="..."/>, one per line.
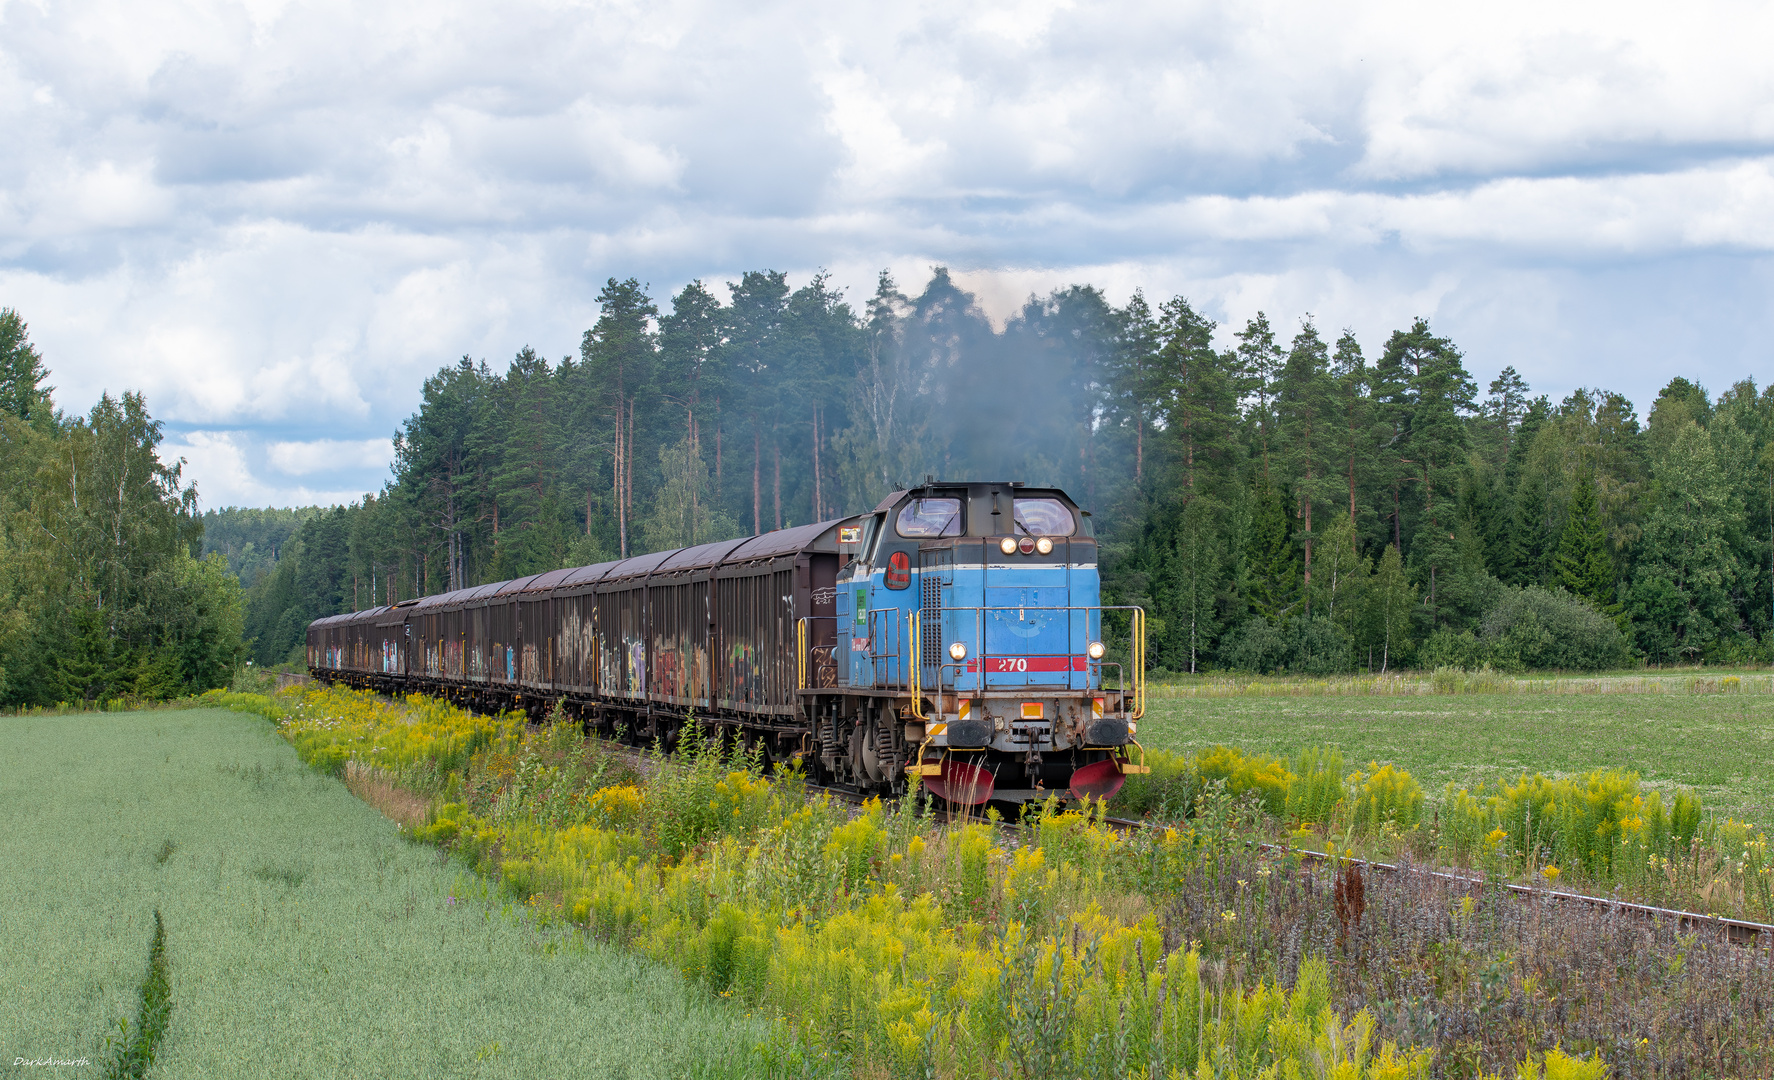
<point x="1099" y="780"/>
<point x="961" y="783"/>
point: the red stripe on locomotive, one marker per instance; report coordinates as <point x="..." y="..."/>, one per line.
<point x="1017" y="665"/>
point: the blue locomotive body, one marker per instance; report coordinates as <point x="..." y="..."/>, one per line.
<point x="976" y="609"/>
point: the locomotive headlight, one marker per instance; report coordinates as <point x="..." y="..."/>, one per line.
<point x="1044" y="546"/>
<point x="1007" y="545"/>
<point x="957" y="651"/>
<point x="1095" y="650"/>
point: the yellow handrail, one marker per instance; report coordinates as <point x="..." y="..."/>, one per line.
<point x="1138" y="649"/>
<point x="801" y="654"/>
<point x="915" y="668"/>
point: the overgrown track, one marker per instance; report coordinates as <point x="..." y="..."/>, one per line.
<point x="1735" y="931"/>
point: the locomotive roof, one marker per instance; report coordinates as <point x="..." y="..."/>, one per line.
<point x="973" y="488"/>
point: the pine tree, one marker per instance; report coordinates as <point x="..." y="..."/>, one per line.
<point x="1134" y="383"/>
<point x="1196" y="395"/>
<point x="1273" y="573"/>
<point x="1583" y="565"/>
<point x="1501" y="414"/>
<point x="1306" y="410"/>
<point x="620" y="353"/>
<point x="1433" y="446"/>
<point x="1258" y="362"/>
<point x="1356" y="434"/>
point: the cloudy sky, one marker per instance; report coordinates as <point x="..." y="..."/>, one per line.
<point x="276" y="218"/>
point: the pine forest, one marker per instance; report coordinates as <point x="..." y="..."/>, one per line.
<point x="1300" y="502"/>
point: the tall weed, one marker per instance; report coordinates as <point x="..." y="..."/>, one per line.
<point x="1316" y="786"/>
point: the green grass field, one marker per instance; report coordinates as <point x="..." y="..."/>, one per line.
<point x="306" y="938"/>
<point x="1718" y="743"/>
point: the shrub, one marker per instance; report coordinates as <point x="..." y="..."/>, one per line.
<point x="1301" y="646"/>
<point x="1447" y="650"/>
<point x="1259" y="645"/>
<point x="1545" y="628"/>
<point x="1319" y="647"/>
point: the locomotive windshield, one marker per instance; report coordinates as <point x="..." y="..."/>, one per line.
<point x="926" y="518"/>
<point x="1044" y="517"/>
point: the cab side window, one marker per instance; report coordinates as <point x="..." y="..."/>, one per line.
<point x="927" y="519"/>
<point x="871" y="533"/>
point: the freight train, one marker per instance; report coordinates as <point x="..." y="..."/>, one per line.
<point x="954" y="636"/>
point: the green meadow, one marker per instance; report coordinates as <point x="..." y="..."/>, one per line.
<point x="304" y="936"/>
<point x="1676" y="732"/>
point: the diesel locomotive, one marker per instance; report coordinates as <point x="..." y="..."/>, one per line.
<point x="955" y="635"/>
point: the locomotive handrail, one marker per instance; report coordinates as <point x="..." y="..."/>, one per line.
<point x="881" y="621"/>
<point x="1137" y="647"/>
<point x="915" y="665"/>
<point x="801" y="651"/>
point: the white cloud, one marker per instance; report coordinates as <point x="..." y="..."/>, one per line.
<point x="228" y="467"/>
<point x="330" y="455"/>
<point x="281" y="217"/>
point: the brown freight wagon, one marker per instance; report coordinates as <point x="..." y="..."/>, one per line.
<point x="638" y="645"/>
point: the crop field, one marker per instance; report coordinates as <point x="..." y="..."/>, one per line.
<point x="1713" y="735"/>
<point x="304" y="936"/>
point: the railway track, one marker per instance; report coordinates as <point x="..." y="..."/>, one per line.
<point x="1735" y="931"/>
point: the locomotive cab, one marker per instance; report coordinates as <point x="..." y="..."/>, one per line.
<point x="972" y="615"/>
